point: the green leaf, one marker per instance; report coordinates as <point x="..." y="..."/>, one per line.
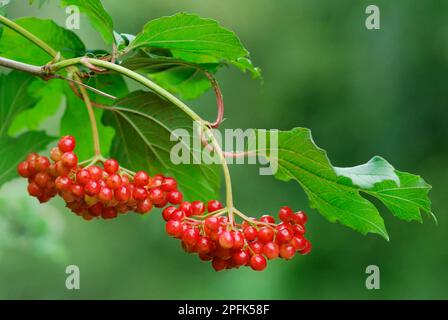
<point x="75" y="120"/>
<point x="14" y="99"/>
<point x="177" y="76"/>
<point x="16" y="47"/>
<point x="48" y="96"/>
<point x="336" y="192"/>
<point x="14" y="150"/>
<point x="370" y="173"/>
<point x="98" y="16"/>
<point x="144" y="123"/>
<point x="194" y="39"/>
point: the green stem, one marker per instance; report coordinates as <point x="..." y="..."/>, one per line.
<point x="167" y="95"/>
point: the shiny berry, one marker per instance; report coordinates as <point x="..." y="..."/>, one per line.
<point x="271" y="250"/>
<point x="111" y="166"/>
<point x="250" y="233"/>
<point x="214" y="205"/>
<point x="96" y="173"/>
<point x="285" y="214"/>
<point x="82" y="177"/>
<point x="174" y="197"/>
<point x="197" y="208"/>
<point x="226" y="240"/>
<point x="141" y="179"/>
<point x="144" y="206"/>
<point x="67" y="144"/>
<point x="22" y="169"/>
<point x="283" y="236"/>
<point x="265" y="234"/>
<point x="92" y="188"/>
<point x="69" y="159"/>
<point x="258" y="262"/>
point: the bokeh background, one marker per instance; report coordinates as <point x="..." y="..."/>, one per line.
<point x="363" y="93"/>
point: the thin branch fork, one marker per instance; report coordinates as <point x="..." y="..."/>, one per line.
<point x="43" y="72"/>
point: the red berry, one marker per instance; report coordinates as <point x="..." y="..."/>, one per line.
<point x="238" y="240"/>
<point x="265" y="234"/>
<point x="109" y="213"/>
<point x="240" y="257"/>
<point x="285" y="213"/>
<point x="250" y="233"/>
<point x="111" y="166"/>
<point x="63" y="183"/>
<point x="174" y="197"/>
<point x="82" y="177"/>
<point x="258" y="262"/>
<point x="113" y="181"/>
<point x="139" y="193"/>
<point x="22" y="169"/>
<point x="122" y="193"/>
<point x="204" y="245"/>
<point x="197" y="207"/>
<point x="69" y="159"/>
<point x="177" y="215"/>
<point x="300" y="218"/>
<point x="41" y="179"/>
<point x="166" y="213"/>
<point x="271" y="250"/>
<point x="307" y="248"/>
<point x="299" y="243"/>
<point x="144" y="206"/>
<point x="156" y="195"/>
<point x="169" y="184"/>
<point x="267" y="219"/>
<point x="77" y="190"/>
<point x="92" y="188"/>
<point x="219" y="264"/>
<point x="298" y="230"/>
<point x="34" y="190"/>
<point x="214" y="205"/>
<point x="105" y="194"/>
<point x="67" y="144"/>
<point x="186" y="208"/>
<point x="284" y="236"/>
<point x="141" y="179"/>
<point x="226" y="240"/>
<point x="42" y="163"/>
<point x="212" y="223"/>
<point x="96" y="173"/>
<point x="256" y="246"/>
<point x="190" y="236"/>
<point x="287" y="251"/>
<point x="174" y="228"/>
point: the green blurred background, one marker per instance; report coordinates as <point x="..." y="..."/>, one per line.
<point x="362" y="93"/>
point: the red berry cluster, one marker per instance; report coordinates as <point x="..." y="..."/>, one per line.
<point x="93" y="191"/>
<point x="232" y="246"/>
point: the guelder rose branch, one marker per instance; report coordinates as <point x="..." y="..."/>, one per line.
<point x="101" y="188"/>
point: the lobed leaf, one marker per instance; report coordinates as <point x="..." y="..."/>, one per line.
<point x="194" y="39"/>
<point x="336" y="192"/>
